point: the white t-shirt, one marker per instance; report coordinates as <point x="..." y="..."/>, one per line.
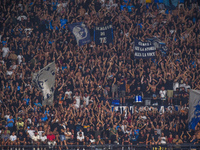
<point x="43" y="138"/>
<point x="20" y="18"/>
<point x="13" y="138"/>
<point x="86" y="99"/>
<point x="123" y="127"/>
<point x="163" y="93"/>
<point x="80" y="138"/>
<point x="19" y="58"/>
<point x="143" y="117"/>
<point x="7" y="117"/>
<point x="31" y="133"/>
<point x="69" y="93"/>
<point x="40" y="133"/>
<point x="13" y="67"/>
<point x="35" y="138"/>
<point x="78" y="100"/>
<point x="68" y="136"/>
<point x="5" y="51"/>
<point x="163" y="140"/>
<point x="92" y="140"/>
<point x="9" y="73"/>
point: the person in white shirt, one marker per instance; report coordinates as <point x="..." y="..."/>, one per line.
<point x="13" y="139"/>
<point x="43" y="139"/>
<point x="78" y="99"/>
<point x="68" y="134"/>
<point x="86" y="98"/>
<point x="163" y="94"/>
<point x="5" y="50"/>
<point x="69" y="93"/>
<point x="80" y="132"/>
<point x="31" y="131"/>
<point x="163" y="139"/>
<point x="80" y="139"/>
<point x="36" y="138"/>
<point x="92" y="141"/>
<point x="19" y="58"/>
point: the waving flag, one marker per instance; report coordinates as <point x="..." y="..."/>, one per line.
<point x="80" y="32"/>
<point x="194" y="108"/>
<point x="44" y="81"/>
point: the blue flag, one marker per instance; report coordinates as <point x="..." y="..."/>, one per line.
<point x="194" y="109"/>
<point x="103" y="34"/>
<point x="80" y="32"/>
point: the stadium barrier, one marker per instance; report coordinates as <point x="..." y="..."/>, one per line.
<point x="188" y="146"/>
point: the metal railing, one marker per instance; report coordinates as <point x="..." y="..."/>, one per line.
<point x="188" y="146"/>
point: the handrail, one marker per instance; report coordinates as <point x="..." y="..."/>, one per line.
<point x="187" y="146"/>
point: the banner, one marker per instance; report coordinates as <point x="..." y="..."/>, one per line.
<point x="103" y="34"/>
<point x="194" y="108"/>
<point x="159" y="108"/>
<point x="80" y="32"/>
<point x="144" y="49"/>
<point x="44" y="81"/>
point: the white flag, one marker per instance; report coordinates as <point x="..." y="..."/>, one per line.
<point x="44" y="80"/>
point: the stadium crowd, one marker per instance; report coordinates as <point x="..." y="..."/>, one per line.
<point x="35" y="33"/>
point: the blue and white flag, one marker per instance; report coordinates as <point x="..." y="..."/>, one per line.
<point x="194" y="108"/>
<point x="159" y="45"/>
<point x="103" y="34"/>
<point x="144" y="49"/>
<point x="44" y="81"/>
<point x="80" y="32"/>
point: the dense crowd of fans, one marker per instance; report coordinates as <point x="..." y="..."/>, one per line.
<point x="35" y="33"/>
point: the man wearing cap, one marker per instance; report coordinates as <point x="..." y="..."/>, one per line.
<point x="19" y="123"/>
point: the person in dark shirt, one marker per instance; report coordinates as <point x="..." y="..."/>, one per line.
<point x="71" y="125"/>
<point x="87" y="132"/>
<point x="133" y="138"/>
<point x="71" y="141"/>
<point x="87" y="143"/>
<point x="141" y="138"/>
<point x="155" y="138"/>
<point x="61" y="132"/>
<point x="21" y="138"/>
<point x="120" y="135"/>
<point x="148" y="140"/>
<point x="173" y="132"/>
<point x="126" y="141"/>
<point x="92" y="132"/>
<point x="28" y="140"/>
<point x="166" y="131"/>
<point x="184" y="138"/>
